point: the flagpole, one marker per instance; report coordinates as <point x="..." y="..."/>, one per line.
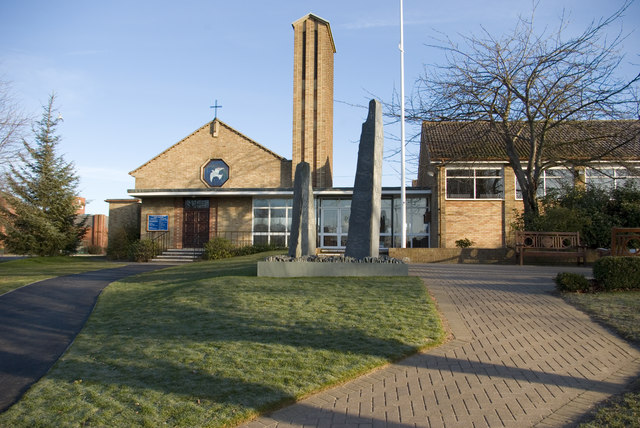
<point x="403" y="192"/>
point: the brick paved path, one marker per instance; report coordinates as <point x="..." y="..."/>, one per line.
<point x="519" y="357"/>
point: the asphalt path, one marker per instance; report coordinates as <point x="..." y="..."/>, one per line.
<point x="39" y="321"/>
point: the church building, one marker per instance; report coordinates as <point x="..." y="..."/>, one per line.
<point x="209" y="184"/>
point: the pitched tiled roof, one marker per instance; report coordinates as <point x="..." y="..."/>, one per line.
<point x="576" y="140"/>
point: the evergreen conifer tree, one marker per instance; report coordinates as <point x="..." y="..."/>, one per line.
<point x="39" y="211"/>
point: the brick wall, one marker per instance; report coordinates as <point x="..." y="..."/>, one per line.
<point x="234" y="215"/>
<point x="479" y="221"/>
<point x="488" y="223"/>
<point x="228" y="217"/>
<point x="179" y="167"/>
<point x="313" y="98"/>
<point x="123" y="214"/>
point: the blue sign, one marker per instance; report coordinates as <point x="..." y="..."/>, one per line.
<point x="215" y="173"/>
<point x="157" y="223"/>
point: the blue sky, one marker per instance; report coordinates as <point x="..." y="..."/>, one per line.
<point x="134" y="77"/>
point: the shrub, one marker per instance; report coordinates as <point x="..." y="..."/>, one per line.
<point x="569" y="282"/>
<point x="464" y="243"/>
<point x="617" y="273"/>
<point x="143" y="250"/>
<point x="95" y="249"/>
<point x="120" y="242"/>
<point x="592" y="212"/>
<point x="218" y="248"/>
<point x="254" y="249"/>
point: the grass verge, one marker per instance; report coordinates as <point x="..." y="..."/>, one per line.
<point x="210" y="344"/>
<point x="621" y="311"/>
<point x="16" y="273"/>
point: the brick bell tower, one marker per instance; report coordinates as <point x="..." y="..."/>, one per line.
<point x="313" y="98"/>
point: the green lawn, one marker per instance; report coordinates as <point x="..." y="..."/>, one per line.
<point x="621" y="311"/>
<point x="16" y="273"/>
<point x="210" y="344"/>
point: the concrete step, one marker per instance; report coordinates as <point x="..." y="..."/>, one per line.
<point x="179" y="255"/>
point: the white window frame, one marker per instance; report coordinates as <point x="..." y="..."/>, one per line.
<point x="542" y="184"/>
<point x="273" y="204"/>
<point x="475" y="178"/>
<point x="617" y="176"/>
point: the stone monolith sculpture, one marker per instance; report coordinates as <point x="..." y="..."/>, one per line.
<point x="364" y="223"/>
<point x="302" y="240"/>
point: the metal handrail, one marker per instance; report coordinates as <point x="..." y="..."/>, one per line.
<point x="162" y="239"/>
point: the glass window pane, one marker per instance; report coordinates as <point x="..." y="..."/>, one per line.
<point x="278" y="219"/>
<point x="260" y="213"/>
<point x="345" y="220"/>
<point x="278" y="240"/>
<point x="260" y="239"/>
<point x="327" y="203"/>
<point x="600" y="179"/>
<point x="386" y="242"/>
<point x="416" y="203"/>
<point x="260" y="224"/>
<point x="489" y="188"/>
<point x="419" y="242"/>
<point x="330" y="218"/>
<point x="459" y="172"/>
<point x="330" y="241"/>
<point x="460" y="188"/>
<point x="415" y="221"/>
<point x="385" y="220"/>
<point x="488" y="173"/>
<point x="260" y="202"/>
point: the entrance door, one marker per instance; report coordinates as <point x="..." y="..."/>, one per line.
<point x="334" y="222"/>
<point x="195" y="227"/>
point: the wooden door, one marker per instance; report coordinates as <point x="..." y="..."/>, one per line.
<point x="195" y="227"/>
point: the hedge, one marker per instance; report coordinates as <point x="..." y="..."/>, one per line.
<point x="617" y="273"/>
<point x="569" y="282"/>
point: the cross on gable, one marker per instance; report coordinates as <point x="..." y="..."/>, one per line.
<point x="215" y="108"/>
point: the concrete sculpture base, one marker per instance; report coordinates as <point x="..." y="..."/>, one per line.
<point x="295" y="269"/>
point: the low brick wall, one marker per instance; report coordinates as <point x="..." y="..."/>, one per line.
<point x="477" y="255"/>
<point x="455" y="255"/>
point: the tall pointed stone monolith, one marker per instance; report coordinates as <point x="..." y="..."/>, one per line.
<point x="302" y="240"/>
<point x="364" y="223"/>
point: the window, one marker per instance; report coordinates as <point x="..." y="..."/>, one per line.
<point x="334" y="222"/>
<point x="552" y="180"/>
<point x="474" y="183"/>
<point x="417" y="224"/>
<point x="609" y="178"/>
<point x="271" y="221"/>
<point x="196" y="204"/>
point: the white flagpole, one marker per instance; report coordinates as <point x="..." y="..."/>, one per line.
<point x="403" y="192"/>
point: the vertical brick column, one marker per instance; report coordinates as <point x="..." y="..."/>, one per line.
<point x="313" y="98"/>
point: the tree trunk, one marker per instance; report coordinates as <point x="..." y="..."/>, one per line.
<point x="531" y="209"/>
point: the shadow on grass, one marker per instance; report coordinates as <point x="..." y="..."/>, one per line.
<point x="170" y="331"/>
<point x="206" y="371"/>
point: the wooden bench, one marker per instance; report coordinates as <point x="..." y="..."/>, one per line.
<point x="550" y="244"/>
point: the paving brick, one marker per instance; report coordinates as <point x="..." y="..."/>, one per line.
<point x="520" y="357"/>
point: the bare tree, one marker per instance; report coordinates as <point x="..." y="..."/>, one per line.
<point x="13" y="123"/>
<point x="525" y="87"/>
